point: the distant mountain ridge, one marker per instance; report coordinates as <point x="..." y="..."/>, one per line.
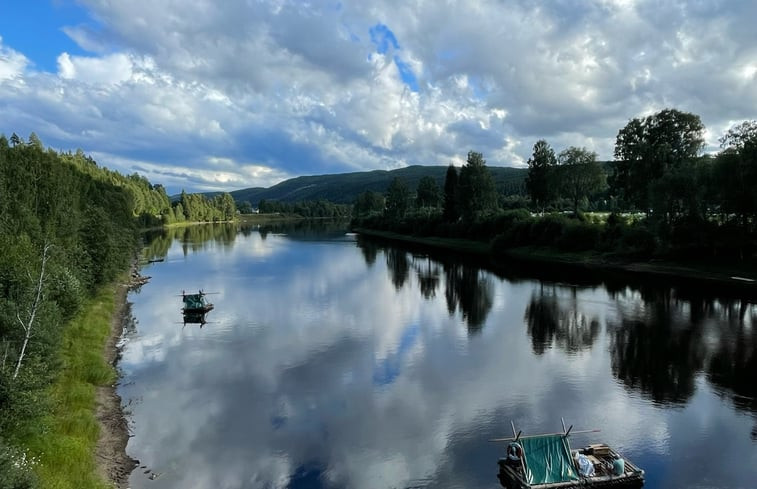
<point x="343" y="188"/>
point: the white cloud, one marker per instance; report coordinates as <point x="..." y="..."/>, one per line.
<point x="301" y="89"/>
<point x="107" y="70"/>
<point x="85" y="38"/>
<point x="12" y="63"/>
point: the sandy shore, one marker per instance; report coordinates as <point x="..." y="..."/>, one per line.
<point x="112" y="461"/>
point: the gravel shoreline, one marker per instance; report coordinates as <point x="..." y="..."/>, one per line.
<point x="113" y="463"/>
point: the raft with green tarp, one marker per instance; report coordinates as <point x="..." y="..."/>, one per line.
<point x="195" y="303"/>
<point x="547" y="462"/>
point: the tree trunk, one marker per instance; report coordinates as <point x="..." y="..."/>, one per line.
<point x="27" y="326"/>
<point x="5" y="356"/>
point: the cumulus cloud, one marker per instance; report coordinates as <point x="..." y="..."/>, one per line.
<point x="306" y="88"/>
<point x="107" y="70"/>
<point x="12" y="63"/>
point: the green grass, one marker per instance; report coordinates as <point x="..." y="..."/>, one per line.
<point x="64" y="440"/>
<point x="265" y="218"/>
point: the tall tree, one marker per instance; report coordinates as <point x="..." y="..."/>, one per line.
<point x="428" y="193"/>
<point x="741" y="137"/>
<point x="735" y="172"/>
<point x="451" y="211"/>
<point x="368" y="203"/>
<point x="27" y="321"/>
<point x="647" y="149"/>
<point x="397" y="198"/>
<point x="538" y="181"/>
<point x="35" y="141"/>
<point x="579" y="174"/>
<point x="226" y="206"/>
<point x="476" y="190"/>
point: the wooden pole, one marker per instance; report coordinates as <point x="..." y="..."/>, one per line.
<point x="543" y="434"/>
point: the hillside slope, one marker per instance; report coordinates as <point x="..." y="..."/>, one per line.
<point x="343" y="188"/>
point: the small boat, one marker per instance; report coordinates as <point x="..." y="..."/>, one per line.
<point x="194" y="318"/>
<point x="195" y="303"/>
<point x="547" y="462"/>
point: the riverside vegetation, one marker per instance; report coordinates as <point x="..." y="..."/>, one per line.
<point x="661" y="197"/>
<point x="68" y="230"/>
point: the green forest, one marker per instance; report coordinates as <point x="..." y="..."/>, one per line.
<point x="660" y="197"/>
<point x="68" y="227"/>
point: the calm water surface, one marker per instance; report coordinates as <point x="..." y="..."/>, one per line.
<point x="334" y="362"/>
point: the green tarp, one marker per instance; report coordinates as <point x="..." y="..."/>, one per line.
<point x="194" y="301"/>
<point x="547" y="459"/>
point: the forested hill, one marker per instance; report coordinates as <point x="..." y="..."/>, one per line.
<point x="345" y="187"/>
<point x="67" y="227"/>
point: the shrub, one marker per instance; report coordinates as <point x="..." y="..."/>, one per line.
<point x="579" y="236"/>
<point x="547" y="230"/>
<point x="638" y="239"/>
<point x="16" y="469"/>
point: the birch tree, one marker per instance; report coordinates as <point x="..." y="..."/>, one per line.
<point x="27" y="322"/>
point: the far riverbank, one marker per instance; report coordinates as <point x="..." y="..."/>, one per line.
<point x="725" y="276"/>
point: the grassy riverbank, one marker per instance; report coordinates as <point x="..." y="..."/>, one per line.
<point x="63" y="441"/>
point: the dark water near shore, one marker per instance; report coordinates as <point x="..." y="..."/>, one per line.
<point x="336" y="362"/>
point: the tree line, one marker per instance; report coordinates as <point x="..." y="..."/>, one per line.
<point x="67" y="227"/>
<point x="663" y="195"/>
<point x="198" y="208"/>
<point x="307" y="209"/>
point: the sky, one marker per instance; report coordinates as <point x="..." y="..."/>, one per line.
<point x="204" y="95"/>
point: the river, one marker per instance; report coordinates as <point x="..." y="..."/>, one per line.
<point x="332" y="361"/>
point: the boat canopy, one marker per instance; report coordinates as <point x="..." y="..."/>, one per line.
<point x="547" y="459"/>
<point x="194" y="301"/>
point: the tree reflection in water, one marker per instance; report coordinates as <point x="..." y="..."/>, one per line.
<point x="399" y="267"/>
<point x="428" y="276"/>
<point x="470" y="290"/>
<point x="193" y="237"/>
<point x="369" y="249"/>
<point x="733" y="363"/>
<point x="557" y="321"/>
<point x="660" y="338"/>
<point x="655" y="348"/>
<point x="664" y="338"/>
<point x="467" y="288"/>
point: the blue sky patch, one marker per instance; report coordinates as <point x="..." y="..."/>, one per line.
<point x="406" y="74"/>
<point x="387" y="371"/>
<point x="36" y="30"/>
<point x="476" y="83"/>
<point x="383" y="37"/>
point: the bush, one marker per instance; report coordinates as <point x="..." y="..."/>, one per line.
<point x="638" y="239"/>
<point x="579" y="236"/>
<point x="16" y="469"/>
<point x="547" y="230"/>
<point x="508" y="218"/>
